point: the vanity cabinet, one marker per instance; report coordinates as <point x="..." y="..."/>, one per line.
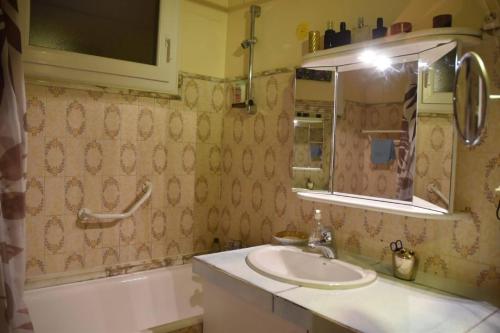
<point x="232" y="304"/>
<point x="228" y="312"/>
<point x="238" y="299"/>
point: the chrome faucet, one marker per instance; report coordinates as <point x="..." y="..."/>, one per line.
<point x="324" y="244"/>
<point x="321" y="238"/>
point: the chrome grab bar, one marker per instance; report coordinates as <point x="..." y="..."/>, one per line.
<point x="86" y="214"/>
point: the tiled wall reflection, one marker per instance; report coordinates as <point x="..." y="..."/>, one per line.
<point x="354" y="171"/>
<point x="95" y="150"/>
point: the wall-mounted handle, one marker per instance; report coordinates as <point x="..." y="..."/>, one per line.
<point x="474" y="123"/>
<point x="85" y="213"/>
<point x="497" y="193"/>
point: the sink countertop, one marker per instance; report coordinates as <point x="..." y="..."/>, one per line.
<point x="233" y="263"/>
<point x="382" y="306"/>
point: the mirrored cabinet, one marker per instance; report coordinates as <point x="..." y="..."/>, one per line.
<point x="374" y="124"/>
<point x="312" y="129"/>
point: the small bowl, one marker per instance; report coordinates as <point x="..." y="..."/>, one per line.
<point x="289" y="237"/>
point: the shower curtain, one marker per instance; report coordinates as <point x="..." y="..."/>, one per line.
<point x="14" y="315"/>
<point x="407" y="151"/>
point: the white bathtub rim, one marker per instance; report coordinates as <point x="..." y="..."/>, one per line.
<point x="163" y="321"/>
<point x="175" y="326"/>
<point x="99" y="272"/>
<point x="122" y="277"/>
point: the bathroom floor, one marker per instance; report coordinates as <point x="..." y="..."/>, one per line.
<point x="192" y="329"/>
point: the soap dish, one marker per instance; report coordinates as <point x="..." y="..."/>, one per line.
<point x="289" y="237"/>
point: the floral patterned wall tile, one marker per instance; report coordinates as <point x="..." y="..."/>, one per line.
<point x="96" y="150"/>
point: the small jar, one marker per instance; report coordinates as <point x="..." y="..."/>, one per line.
<point x="404" y="264"/>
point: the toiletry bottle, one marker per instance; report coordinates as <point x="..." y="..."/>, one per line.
<point x="314" y="41"/>
<point x="315" y="236"/>
<point x="380" y="31"/>
<point x="239" y="92"/>
<point x="309" y="184"/>
<point x="344" y="35"/>
<point x="329" y="39"/>
<point x="215" y="245"/>
<point x="442" y="21"/>
<point x="362" y="32"/>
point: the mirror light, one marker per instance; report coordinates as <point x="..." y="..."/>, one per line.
<point x="367" y="56"/>
<point x="383" y="62"/>
<point x="423" y="64"/>
<point x="380" y="61"/>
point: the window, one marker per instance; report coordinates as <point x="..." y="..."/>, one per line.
<point x="117" y="43"/>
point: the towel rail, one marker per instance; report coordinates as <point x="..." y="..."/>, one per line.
<point x="382" y="131"/>
<point x="370" y="132"/>
<point x="86" y="214"/>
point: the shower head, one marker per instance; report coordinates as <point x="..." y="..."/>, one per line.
<point x="255" y="10"/>
<point x="248" y="42"/>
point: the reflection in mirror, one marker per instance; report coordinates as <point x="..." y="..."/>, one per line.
<point x="313" y="129"/>
<point x="471" y="97"/>
<point x="437" y="77"/>
<point x="435" y="130"/>
<point x="375" y="142"/>
<point x="394" y="134"/>
<point x="434" y="158"/>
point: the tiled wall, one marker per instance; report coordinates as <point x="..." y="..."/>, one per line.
<point x="221" y="172"/>
<point x="93" y="149"/>
<point x="459" y="256"/>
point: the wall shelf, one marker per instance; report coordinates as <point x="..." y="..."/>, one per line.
<point x="404" y="44"/>
<point x="419" y="209"/>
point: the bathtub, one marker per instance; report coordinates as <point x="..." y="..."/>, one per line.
<point x="159" y="300"/>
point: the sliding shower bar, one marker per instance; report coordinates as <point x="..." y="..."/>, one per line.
<point x="85" y="213"/>
<point x="249" y="44"/>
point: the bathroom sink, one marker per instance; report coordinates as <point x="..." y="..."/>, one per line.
<point x="292" y="265"/>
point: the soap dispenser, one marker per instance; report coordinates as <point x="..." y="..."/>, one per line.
<point x="380" y="31"/>
<point x="344" y="35"/>
<point x="315" y="236"/>
<point x="329" y="39"/>
<point x="362" y="32"/>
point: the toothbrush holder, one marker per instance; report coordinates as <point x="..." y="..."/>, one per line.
<point x="404" y="264"/>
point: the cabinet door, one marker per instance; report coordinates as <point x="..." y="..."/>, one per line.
<point x="116" y="43"/>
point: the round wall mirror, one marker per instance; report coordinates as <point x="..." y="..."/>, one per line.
<point x="470" y="98"/>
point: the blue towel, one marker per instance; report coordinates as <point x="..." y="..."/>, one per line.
<point x="382" y="151"/>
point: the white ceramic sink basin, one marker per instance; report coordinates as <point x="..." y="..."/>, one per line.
<point x="293" y="265"/>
